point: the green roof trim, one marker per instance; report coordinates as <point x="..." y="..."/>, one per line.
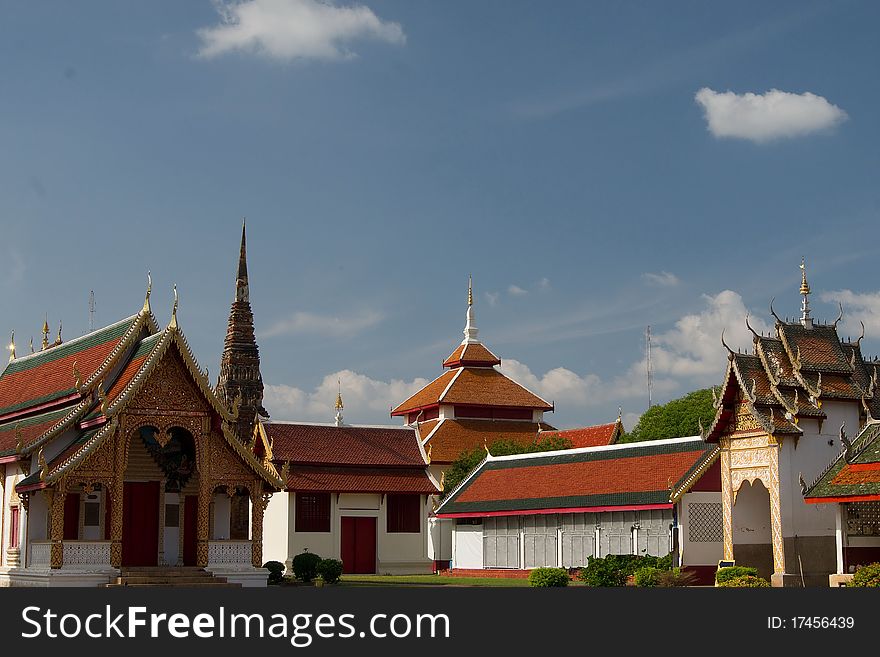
<point x="13" y="425"/>
<point x="568" y="502"/>
<point x="80" y="439"/>
<point x="101" y="336"/>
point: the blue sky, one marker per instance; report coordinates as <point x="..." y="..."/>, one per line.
<point x="597" y="167"/>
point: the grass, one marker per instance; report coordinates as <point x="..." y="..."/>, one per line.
<point x="428" y="580"/>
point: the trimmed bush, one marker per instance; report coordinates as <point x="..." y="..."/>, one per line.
<point x="867" y="576"/>
<point x="648" y="576"/>
<point x="614" y="569"/>
<point x="676" y="577"/>
<point x="330" y="570"/>
<point x="305" y="566"/>
<point x="725" y="574"/>
<point x="745" y="582"/>
<point x="547" y="577"/>
<point x="276" y="571"/>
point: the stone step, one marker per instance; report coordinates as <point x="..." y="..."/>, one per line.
<point x="216" y="585"/>
<point x="169" y="580"/>
<point x="169" y="576"/>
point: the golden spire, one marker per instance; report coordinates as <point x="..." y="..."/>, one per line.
<point x="12" y="347"/>
<point x="470" y="290"/>
<point x="805" y="287"/>
<point x="46" y="332"/>
<point x="339" y="405"/>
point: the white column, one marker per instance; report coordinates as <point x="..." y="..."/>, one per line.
<point x="522" y="543"/>
<point x="840" y="536"/>
<point x="598" y="551"/>
<point x="559" y="546"/>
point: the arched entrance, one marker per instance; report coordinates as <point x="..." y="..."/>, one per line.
<point x="160" y="498"/>
<point x="752" y="528"/>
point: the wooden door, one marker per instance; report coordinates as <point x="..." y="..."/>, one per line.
<point x="71" y="517"/>
<point x="358" y="543"/>
<point x="190" y="529"/>
<point x="140" y="523"/>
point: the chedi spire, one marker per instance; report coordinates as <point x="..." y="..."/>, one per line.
<point x="240" y="364"/>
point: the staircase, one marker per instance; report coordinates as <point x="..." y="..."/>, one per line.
<point x="183" y="576"/>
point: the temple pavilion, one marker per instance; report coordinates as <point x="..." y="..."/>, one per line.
<point x="118" y="454"/>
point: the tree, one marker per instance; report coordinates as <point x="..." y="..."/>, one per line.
<point x="675" y="419"/>
<point x="468" y="460"/>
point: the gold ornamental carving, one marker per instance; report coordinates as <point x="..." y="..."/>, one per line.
<point x="168" y="388"/>
<point x="744" y="420"/>
<point x="726" y="500"/>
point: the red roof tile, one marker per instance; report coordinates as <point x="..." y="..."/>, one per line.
<point x="427" y="396"/>
<point x="595" y="436"/>
<point x="473" y="354"/>
<point x="489" y="387"/>
<point x="453" y="437"/>
<point x="314" y="444"/>
<point x="360" y="480"/>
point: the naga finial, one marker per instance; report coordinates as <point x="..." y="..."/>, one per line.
<point x="773" y="312"/>
<point x="859" y="339"/>
<point x="726" y="346"/>
<point x="19" y="440"/>
<point x="149" y="291"/>
<point x="12" y="347"/>
<point x="173" y="323"/>
<point x="77" y="377"/>
<point x="749" y="326"/>
<point x="839" y="315"/>
<point x="803" y="484"/>
<point x="41" y="461"/>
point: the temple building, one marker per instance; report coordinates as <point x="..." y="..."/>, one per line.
<point x="777" y="424"/>
<point x="360" y="494"/>
<point x="472" y="403"/>
<point x="560" y="508"/>
<point x="118" y="455"/>
<point x="592" y="436"/>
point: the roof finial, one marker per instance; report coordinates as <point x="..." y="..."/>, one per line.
<point x="749" y="326"/>
<point x="840" y="314"/>
<point x="806" y="320"/>
<point x="12" y="347"/>
<point x="46" y="332"/>
<point x="726" y="346"/>
<point x="32" y="344"/>
<point x="173" y="323"/>
<point x="149" y="291"/>
<point x="773" y="312"/>
<point x="241" y="279"/>
<point x="339" y="404"/>
<point x="470" y="331"/>
<point x="58" y="339"/>
<point x="619" y="414"/>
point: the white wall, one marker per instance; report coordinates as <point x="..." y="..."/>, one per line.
<point x="700" y="552"/>
<point x="275" y="527"/>
<point x="440" y="538"/>
<point x="468" y="546"/>
<point x="222" y="510"/>
<point x="751" y="515"/>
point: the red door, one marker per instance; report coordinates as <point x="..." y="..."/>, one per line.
<point x="358" y="545"/>
<point x="140" y="523"/>
<point x="71" y="517"/>
<point x="190" y="529"/>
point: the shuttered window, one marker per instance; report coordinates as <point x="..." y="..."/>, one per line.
<point x="13" y="527"/>
<point x="313" y="512"/>
<point x="404" y="514"/>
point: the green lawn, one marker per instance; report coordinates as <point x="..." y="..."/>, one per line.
<point x="430" y="580"/>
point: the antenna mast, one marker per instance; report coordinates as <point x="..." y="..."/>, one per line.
<point x="91" y="311"/>
<point x="649" y="366"/>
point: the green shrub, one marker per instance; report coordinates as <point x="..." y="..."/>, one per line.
<point x="745" y="581"/>
<point x="867" y="576"/>
<point x="676" y="577"/>
<point x="547" y="577"/>
<point x="305" y="566"/>
<point x="330" y="570"/>
<point x="614" y="569"/>
<point x="665" y="563"/>
<point x="648" y="576"/>
<point x="725" y="574"/>
<point x="276" y="571"/>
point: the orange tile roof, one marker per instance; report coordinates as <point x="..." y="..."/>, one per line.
<point x="473" y="354"/>
<point x="595" y="436"/>
<point x="452" y="437"/>
<point x="489" y="387"/>
<point x="360" y="480"/>
<point x="427" y="396"/>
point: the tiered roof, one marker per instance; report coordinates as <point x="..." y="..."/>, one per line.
<point x="74" y="392"/>
<point x="349" y="459"/>
<point x="617" y="477"/>
<point x="791" y="373"/>
<point x="473" y="382"/>
<point x="854" y="476"/>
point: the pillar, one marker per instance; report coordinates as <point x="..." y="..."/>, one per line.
<point x="259" y="501"/>
<point x="727" y="502"/>
<point x="56" y="526"/>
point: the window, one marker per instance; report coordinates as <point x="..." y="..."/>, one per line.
<point x="404" y="513"/>
<point x="13" y="527"/>
<point x="172" y="515"/>
<point x="312" y="512"/>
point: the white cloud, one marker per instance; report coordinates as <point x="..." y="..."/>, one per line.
<point x="492" y="298"/>
<point x="311" y="323"/>
<point x="367" y="401"/>
<point x="293" y="29"/>
<point x="516" y="291"/>
<point x="663" y="279"/>
<point x="765" y="117"/>
<point x="544" y="284"/>
<point x="863" y="307"/>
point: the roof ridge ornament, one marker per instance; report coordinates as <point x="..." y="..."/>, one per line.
<point x="173" y="323"/>
<point x="46" y="332"/>
<point x="339" y="405"/>
<point x="58" y="340"/>
<point x="749" y="326"/>
<point x="839" y="315"/>
<point x="146" y="308"/>
<point x="726" y="346"/>
<point x="12" y="347"/>
<point x="847" y="444"/>
<point x="471" y="332"/>
<point x="859" y="339"/>
<point x="773" y="312"/>
<point x="77" y="377"/>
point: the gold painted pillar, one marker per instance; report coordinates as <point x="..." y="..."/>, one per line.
<point x="206" y="492"/>
<point x="56" y="525"/>
<point x="726" y="499"/>
<point x="775" y="509"/>
<point x="116" y="501"/>
<point x="259" y="500"/>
